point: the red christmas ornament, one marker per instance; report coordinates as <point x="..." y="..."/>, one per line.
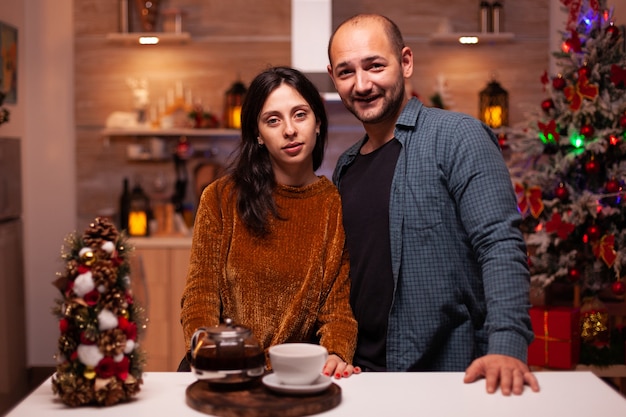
<point x="583" y="72"/>
<point x="612" y="186"/>
<point x="587" y="131"/>
<point x="64" y="326"/>
<point x="618" y="288"/>
<point x="592" y="166"/>
<point x="613" y="31"/>
<point x="622" y="121"/>
<point x="558" y="83"/>
<point x="502" y="139"/>
<point x="594" y="232"/>
<point x="547" y="104"/>
<point x="573" y="274"/>
<point x="561" y="192"/>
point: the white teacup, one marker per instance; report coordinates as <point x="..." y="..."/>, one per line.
<point x="297" y="363"/>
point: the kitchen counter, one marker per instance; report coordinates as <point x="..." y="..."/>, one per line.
<point x="432" y="394"/>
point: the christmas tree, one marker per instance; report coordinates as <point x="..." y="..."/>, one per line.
<point x="99" y="358"/>
<point x="568" y="161"/>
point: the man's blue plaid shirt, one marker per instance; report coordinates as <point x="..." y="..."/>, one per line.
<point x="459" y="259"/>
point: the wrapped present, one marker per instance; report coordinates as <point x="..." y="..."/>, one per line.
<point x="557" y="337"/>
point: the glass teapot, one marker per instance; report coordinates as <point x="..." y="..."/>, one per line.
<point x="226" y="354"/>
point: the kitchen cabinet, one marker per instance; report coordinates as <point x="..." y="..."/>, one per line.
<point x="158" y="273"/>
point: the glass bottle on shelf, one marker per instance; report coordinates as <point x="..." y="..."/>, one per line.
<point x="496" y="17"/>
<point x="485" y="17"/>
<point x="124" y="206"/>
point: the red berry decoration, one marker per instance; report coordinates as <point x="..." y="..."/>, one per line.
<point x="594" y="232"/>
<point x="561" y="192"/>
<point x="587" y="131"/>
<point x="618" y="288"/>
<point x="547" y="104"/>
<point x="558" y="83"/>
<point x="573" y="274"/>
<point x="612" y="186"/>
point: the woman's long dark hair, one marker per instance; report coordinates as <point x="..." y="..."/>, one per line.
<point x="252" y="173"/>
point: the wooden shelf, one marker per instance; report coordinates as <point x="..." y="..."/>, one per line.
<point x="472" y="38"/>
<point x="177" y="132"/>
<point x="133" y="38"/>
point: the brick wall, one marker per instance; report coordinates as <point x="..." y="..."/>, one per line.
<point x="237" y="38"/>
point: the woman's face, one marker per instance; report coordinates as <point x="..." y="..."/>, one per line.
<point x="288" y="129"/>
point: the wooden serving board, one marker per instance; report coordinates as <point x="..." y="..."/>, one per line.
<point x="259" y="401"/>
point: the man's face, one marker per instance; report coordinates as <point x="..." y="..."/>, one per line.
<point x="367" y="74"/>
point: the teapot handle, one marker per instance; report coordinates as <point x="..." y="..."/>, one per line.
<point x="200" y="331"/>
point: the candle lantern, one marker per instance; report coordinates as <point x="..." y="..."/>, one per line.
<point x="494" y="105"/>
<point x="232" y="105"/>
<point x="139" y="213"/>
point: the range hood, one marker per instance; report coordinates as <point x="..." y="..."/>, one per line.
<point x="311" y="27"/>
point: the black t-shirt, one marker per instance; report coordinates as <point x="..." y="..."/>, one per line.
<point x="365" y="192"/>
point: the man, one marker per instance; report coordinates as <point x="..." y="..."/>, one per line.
<point x="439" y="270"/>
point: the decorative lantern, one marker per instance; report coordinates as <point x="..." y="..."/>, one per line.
<point x="139" y="213"/>
<point x="232" y="105"/>
<point x="494" y="105"/>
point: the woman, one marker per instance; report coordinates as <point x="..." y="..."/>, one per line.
<point x="268" y="246"/>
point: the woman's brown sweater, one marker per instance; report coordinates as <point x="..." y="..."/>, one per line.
<point x="291" y="286"/>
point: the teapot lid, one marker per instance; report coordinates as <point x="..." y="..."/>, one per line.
<point x="228" y="330"/>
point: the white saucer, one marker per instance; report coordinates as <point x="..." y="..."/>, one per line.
<point x="320" y="384"/>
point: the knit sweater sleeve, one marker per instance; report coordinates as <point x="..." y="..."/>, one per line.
<point x="200" y="302"/>
<point x="337" y="326"/>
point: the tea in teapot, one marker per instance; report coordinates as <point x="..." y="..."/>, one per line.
<point x="226" y="354"/>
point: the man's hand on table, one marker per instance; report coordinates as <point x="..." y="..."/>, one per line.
<point x="509" y="373"/>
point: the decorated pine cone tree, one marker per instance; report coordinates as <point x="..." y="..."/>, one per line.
<point x="99" y="360"/>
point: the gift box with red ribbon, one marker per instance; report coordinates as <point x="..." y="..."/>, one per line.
<point x="557" y="337"/>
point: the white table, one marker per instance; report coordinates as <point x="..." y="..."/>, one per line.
<point x="570" y="394"/>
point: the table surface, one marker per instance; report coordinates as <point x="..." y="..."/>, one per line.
<point x="563" y="393"/>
